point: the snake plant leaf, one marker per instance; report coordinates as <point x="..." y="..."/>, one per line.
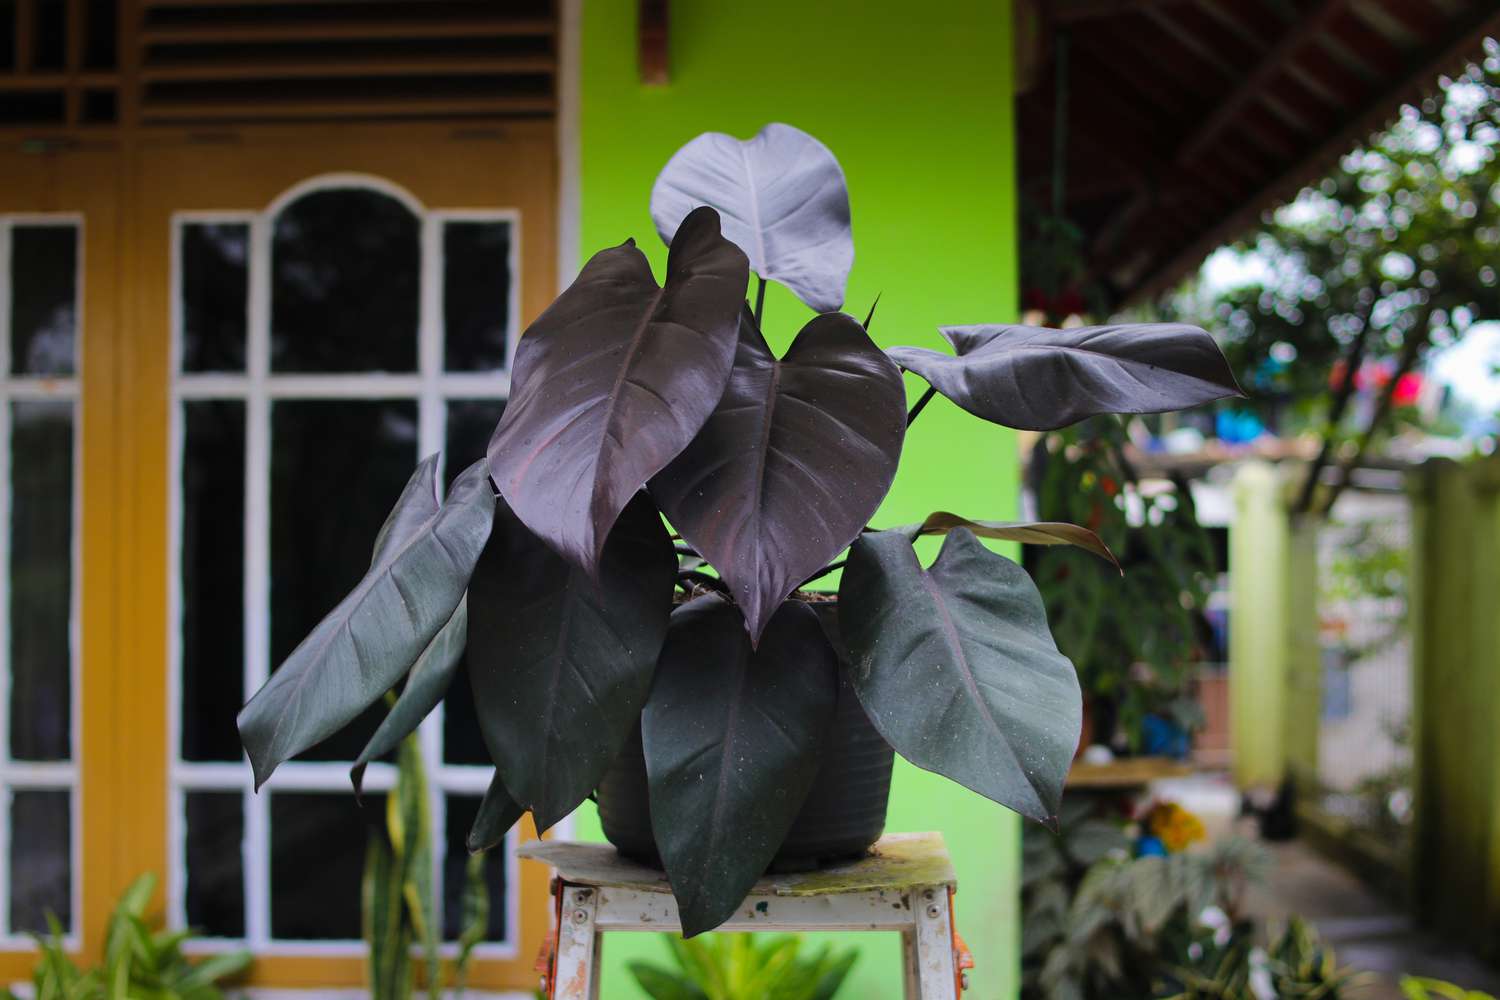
<point x="793" y="462"/>
<point x="498" y="812"/>
<point x="375" y="634"/>
<point x="732" y="737"/>
<point x="1027" y="532"/>
<point x="613" y="381"/>
<point x="784" y="202"/>
<point x="1038" y="379"/>
<point x="561" y="666"/>
<point x="957" y="669"/>
<point x="425" y="686"/>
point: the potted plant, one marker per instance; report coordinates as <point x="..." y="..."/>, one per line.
<point x="550" y="561"/>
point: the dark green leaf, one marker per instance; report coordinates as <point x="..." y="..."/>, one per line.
<point x="498" y="812"/>
<point x="561" y="664"/>
<point x="792" y="464"/>
<point x="364" y="646"/>
<point x="732" y="737"/>
<point x="1039" y="379"/>
<point x="613" y="381"/>
<point x="1026" y="532"/>
<point x="425" y="687"/>
<point x="957" y="669"/>
<point x="784" y="202"/>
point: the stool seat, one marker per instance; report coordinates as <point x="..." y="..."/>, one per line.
<point x="906" y="884"/>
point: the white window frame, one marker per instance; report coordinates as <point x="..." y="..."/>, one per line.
<point x="42" y="775"/>
<point x="431" y="388"/>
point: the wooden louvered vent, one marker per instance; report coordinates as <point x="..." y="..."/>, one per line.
<point x="99" y="63"/>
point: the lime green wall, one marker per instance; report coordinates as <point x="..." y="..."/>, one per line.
<point x="918" y="110"/>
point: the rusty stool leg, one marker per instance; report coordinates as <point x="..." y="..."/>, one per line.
<point x="575" y="974"/>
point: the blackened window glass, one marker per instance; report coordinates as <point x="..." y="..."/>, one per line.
<point x="345" y="276"/>
<point x="41" y="579"/>
<point x="44" y="299"/>
<point x="461" y="810"/>
<point x="213" y="578"/>
<point x="215" y="274"/>
<point x="336" y="468"/>
<point x="41" y="869"/>
<point x="318" y="844"/>
<point x="476" y="295"/>
<point x="215" y="831"/>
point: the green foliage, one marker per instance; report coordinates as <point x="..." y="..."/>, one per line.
<point x="744" y="967"/>
<point x="1414" y="988"/>
<point x="139" y="964"/>
<point x="1108" y="624"/>
<point x="1295" y="966"/>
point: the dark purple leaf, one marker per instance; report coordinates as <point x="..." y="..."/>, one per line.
<point x="1038" y="379"/>
<point x="613" y="381"/>
<point x="792" y="464"/>
<point x="498" y="812"/>
<point x="783" y="200"/>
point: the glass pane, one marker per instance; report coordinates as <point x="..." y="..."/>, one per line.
<point x="7" y="35"/>
<point x="41" y="879"/>
<point x="100" y="20"/>
<point x="470" y="424"/>
<point x="461" y="812"/>
<point x="215" y="270"/>
<point x="345" y="276"/>
<point x="318" y="843"/>
<point x="49" y="44"/>
<point x="476" y="294"/>
<point x="336" y="469"/>
<point x="41" y="579"/>
<point x="43" y="309"/>
<point x="213" y="577"/>
<point x="215" y="896"/>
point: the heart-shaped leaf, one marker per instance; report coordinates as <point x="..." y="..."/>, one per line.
<point x="1026" y="532"/>
<point x="957" y="669"/>
<point x="561" y="666"/>
<point x="498" y="812"/>
<point x="374" y="635"/>
<point x="784" y="203"/>
<point x="613" y="381"/>
<point x="425" y="687"/>
<point x="1037" y="379"/>
<point x="792" y="464"/>
<point x="732" y="737"/>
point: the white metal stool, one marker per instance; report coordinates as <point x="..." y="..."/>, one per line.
<point x="905" y="885"/>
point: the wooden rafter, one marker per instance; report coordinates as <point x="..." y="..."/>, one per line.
<point x="654" y="43"/>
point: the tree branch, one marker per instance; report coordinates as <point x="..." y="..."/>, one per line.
<point x="1352" y="359"/>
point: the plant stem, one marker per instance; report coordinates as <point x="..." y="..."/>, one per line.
<point x="921" y="405"/>
<point x="685" y="550"/>
<point x="830" y="568"/>
<point x="711" y="582"/>
<point x="760" y="301"/>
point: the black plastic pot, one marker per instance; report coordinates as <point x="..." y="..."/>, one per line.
<point x="843" y="815"/>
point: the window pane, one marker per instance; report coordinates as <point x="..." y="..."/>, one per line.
<point x="213" y="582"/>
<point x="345" y="273"/>
<point x="461" y="812"/>
<point x="41" y="579"/>
<point x="49" y="43"/>
<point x="41" y="879"/>
<point x="215" y="833"/>
<point x="476" y="294"/>
<point x="215" y="269"/>
<point x="318" y="842"/>
<point x="43" y="311"/>
<point x="336" y="469"/>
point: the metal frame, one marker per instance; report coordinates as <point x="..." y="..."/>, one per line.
<point x="431" y="388"/>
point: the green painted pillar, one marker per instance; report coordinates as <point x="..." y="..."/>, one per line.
<point x="1260" y="546"/>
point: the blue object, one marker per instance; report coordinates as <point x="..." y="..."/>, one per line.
<point x="1150" y="847"/>
<point x="1162" y="737"/>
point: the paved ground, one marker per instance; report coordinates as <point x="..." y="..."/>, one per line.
<point x="1367" y="931"/>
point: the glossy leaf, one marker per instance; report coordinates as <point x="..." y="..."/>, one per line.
<point x="613" y="381"/>
<point x="793" y="462"/>
<point x="784" y="202"/>
<point x="1026" y="532"/>
<point x="732" y="737"/>
<point x="498" y="812"/>
<point x="957" y="669"/>
<point x="1039" y="379"/>
<point x="425" y="687"/>
<point x="561" y="666"/>
<point x="374" y="635"/>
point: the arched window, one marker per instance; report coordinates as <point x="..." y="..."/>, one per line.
<point x="323" y="347"/>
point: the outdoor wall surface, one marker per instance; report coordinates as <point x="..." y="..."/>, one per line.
<point x="918" y="110"/>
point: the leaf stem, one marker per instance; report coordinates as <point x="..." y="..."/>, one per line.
<point x="920" y="405"/>
<point x="685" y="550"/>
<point x="711" y="582"/>
<point x="760" y="300"/>
<point x="830" y="568"/>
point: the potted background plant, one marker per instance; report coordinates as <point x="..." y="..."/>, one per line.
<point x="632" y="399"/>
